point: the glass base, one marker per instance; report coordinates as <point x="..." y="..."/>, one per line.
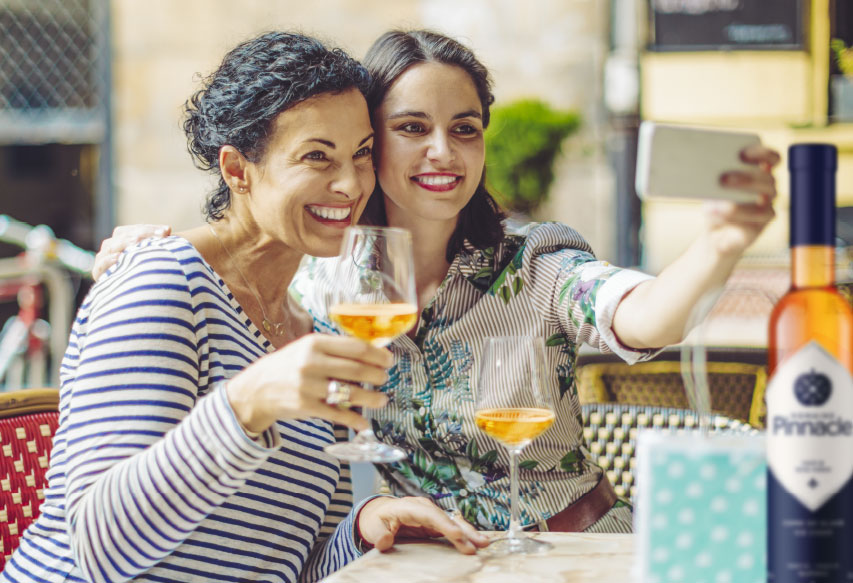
<point x="366" y="448"/>
<point x="523" y="545"/>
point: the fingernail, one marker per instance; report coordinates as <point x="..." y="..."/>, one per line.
<point x="384" y="401"/>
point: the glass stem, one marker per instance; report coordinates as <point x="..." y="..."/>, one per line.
<point x="365" y="435"/>
<point x="515" y="531"/>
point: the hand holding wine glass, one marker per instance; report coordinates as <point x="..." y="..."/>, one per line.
<point x="513" y="407"/>
<point x="374" y="300"/>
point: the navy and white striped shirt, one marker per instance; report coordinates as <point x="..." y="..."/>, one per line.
<point x="151" y="476"/>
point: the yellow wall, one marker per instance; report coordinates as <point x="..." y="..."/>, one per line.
<point x="781" y="95"/>
<point x="727" y="87"/>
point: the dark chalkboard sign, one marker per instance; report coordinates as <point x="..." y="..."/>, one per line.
<point x="701" y="25"/>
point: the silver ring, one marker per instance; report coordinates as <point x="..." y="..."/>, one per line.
<point x="338" y="394"/>
<point x="454" y="514"/>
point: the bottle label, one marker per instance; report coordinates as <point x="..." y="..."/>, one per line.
<point x="809" y="468"/>
<point x="810" y="426"/>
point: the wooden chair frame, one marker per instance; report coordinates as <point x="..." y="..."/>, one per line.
<point x="14" y="403"/>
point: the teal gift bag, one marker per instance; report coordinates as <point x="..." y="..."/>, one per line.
<point x="701" y="505"/>
<point x="701" y="508"/>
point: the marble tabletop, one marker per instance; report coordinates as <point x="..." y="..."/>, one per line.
<point x="576" y="558"/>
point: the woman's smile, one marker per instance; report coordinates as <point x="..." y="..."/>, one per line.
<point x="331" y="215"/>
<point x="437" y="181"/>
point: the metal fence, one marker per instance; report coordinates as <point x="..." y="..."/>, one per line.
<point x="54" y="71"/>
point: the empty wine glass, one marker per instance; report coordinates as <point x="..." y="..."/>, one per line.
<point x="374" y="299"/>
<point x="513" y="407"/>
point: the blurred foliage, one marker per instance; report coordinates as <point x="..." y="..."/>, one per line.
<point x="522" y="141"/>
<point x="843" y="56"/>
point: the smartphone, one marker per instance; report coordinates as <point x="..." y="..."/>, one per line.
<point x="686" y="162"/>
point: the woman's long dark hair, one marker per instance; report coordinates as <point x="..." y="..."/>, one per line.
<point x="256" y="81"/>
<point x="390" y="56"/>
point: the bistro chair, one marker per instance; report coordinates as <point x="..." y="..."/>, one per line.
<point x="28" y="421"/>
<point x="619" y="399"/>
<point x="737" y="379"/>
<point x="610" y="431"/>
<point x="728" y="383"/>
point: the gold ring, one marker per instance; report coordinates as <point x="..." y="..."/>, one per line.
<point x="338" y="394"/>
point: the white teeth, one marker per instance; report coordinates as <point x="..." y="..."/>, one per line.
<point x="329" y="212"/>
<point x="436" y="180"/>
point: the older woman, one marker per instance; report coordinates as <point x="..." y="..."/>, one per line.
<point x="193" y="409"/>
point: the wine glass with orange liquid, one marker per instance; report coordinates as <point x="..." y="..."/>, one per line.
<point x="375" y="300"/>
<point x="513" y="407"/>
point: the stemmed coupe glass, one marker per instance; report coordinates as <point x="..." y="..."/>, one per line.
<point x="513" y="407"/>
<point x="374" y="299"/>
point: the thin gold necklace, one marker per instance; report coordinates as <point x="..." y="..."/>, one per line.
<point x="274" y="328"/>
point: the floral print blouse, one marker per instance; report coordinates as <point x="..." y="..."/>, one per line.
<point x="541" y="280"/>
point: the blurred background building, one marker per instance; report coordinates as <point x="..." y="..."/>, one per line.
<point x="55" y="122"/>
<point x="91" y="94"/>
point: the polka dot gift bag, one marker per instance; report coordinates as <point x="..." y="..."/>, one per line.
<point x="701" y="508"/>
<point x="700" y="514"/>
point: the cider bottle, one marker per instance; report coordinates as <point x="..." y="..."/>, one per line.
<point x="810" y="394"/>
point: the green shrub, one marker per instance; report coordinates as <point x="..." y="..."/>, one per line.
<point x="522" y="141"/>
<point x="843" y="56"/>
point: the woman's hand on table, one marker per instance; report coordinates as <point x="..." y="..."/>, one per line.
<point x="384" y="520"/>
<point x="123" y="237"/>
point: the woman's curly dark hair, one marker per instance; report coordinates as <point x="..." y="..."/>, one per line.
<point x="257" y="80"/>
<point x="393" y="53"/>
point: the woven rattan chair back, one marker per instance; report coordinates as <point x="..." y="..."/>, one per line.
<point x="28" y="421"/>
<point x="737" y="388"/>
<point x="610" y="431"/>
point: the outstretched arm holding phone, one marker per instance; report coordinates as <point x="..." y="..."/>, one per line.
<point x="655" y="313"/>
